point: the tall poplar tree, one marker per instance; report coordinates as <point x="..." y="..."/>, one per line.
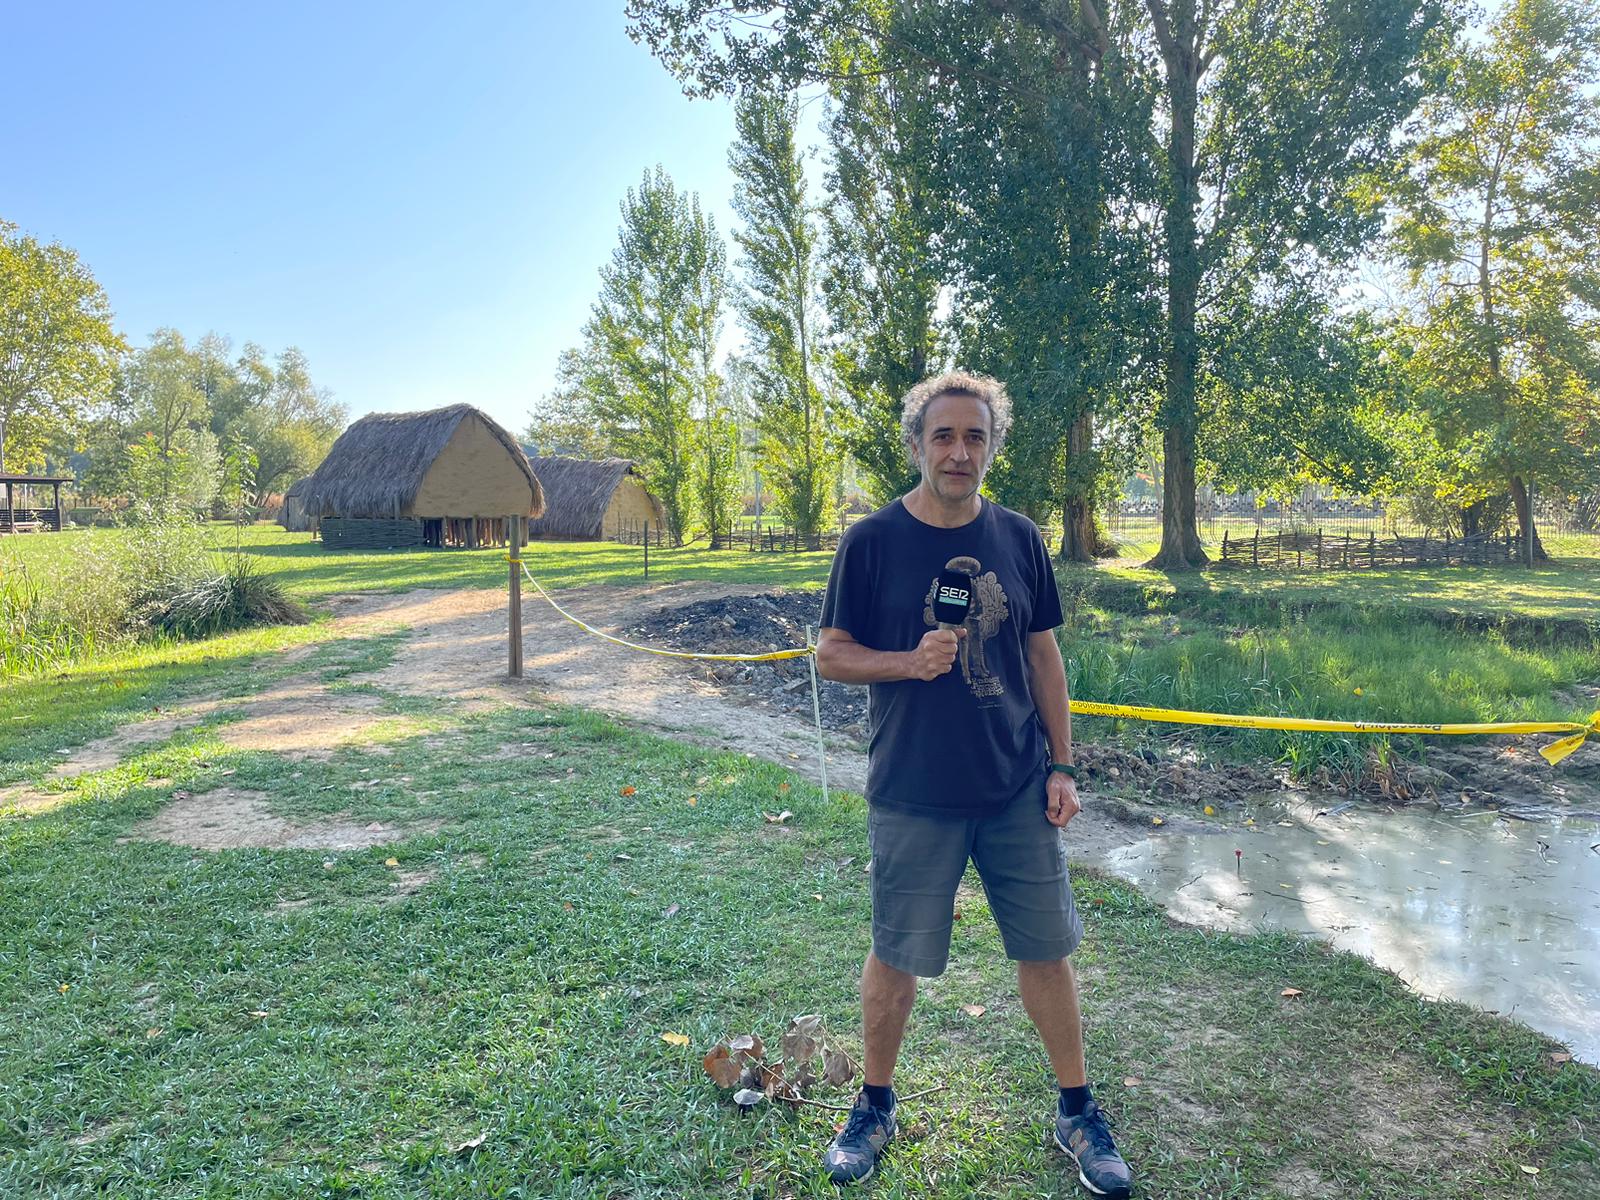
<point x="1272" y="115"/>
<point x="1497" y="228"/>
<point x="642" y="370"/>
<point x="778" y="304"/>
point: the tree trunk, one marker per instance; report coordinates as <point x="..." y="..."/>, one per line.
<point x="1180" y="539"/>
<point x="1079" y="538"/>
<point x="1472" y="519"/>
<point x="1525" y="522"/>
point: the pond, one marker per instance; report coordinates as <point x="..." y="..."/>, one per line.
<point x="1498" y="911"/>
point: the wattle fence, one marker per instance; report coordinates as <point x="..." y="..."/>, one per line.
<point x="1300" y="548"/>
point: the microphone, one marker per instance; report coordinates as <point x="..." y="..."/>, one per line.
<point x="952" y="599"/>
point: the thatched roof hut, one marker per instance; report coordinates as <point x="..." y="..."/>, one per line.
<point x="592" y="498"/>
<point x="447" y="462"/>
<point x="292" y="513"/>
<point x="448" y="476"/>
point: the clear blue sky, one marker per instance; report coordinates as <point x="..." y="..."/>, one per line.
<point x="419" y="196"/>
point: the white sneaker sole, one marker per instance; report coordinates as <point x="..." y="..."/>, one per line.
<point x="1082" y="1178"/>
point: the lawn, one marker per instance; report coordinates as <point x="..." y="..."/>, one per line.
<point x="1391" y="646"/>
<point x="265" y="1023"/>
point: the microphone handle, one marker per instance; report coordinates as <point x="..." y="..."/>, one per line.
<point x="947" y="625"/>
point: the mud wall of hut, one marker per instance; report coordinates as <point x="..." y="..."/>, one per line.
<point x="631" y="506"/>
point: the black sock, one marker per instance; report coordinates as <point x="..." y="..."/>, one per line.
<point x="1074" y="1100"/>
<point x="881" y="1098"/>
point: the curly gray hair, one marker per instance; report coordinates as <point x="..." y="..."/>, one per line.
<point x="980" y="387"/>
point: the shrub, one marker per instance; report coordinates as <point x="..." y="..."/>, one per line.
<point x="238" y="597"/>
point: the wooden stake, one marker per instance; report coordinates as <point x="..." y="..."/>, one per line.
<point x="514" y="542"/>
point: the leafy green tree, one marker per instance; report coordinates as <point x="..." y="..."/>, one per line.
<point x="637" y="376"/>
<point x="1496" y="227"/>
<point x="58" y="350"/>
<point x="1263" y="119"/>
<point x="715" y="476"/>
<point x="879" y="282"/>
<point x="1287" y="384"/>
<point x="164" y="383"/>
<point x="561" y="423"/>
<point x="799" y="455"/>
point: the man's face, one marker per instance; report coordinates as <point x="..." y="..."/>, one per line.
<point x="954" y="452"/>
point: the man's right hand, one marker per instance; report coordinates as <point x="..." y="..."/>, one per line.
<point x="935" y="653"/>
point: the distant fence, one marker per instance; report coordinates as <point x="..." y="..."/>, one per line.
<point x="1300" y="548"/>
<point x="751" y="538"/>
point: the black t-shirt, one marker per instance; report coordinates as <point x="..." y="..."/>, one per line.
<point x="966" y="743"/>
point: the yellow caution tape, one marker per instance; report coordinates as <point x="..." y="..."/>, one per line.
<point x="1553" y="753"/>
<point x="773" y="657"/>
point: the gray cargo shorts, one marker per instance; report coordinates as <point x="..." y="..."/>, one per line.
<point x="918" y="860"/>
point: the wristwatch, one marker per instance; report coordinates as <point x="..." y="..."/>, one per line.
<point x="1067" y="769"/>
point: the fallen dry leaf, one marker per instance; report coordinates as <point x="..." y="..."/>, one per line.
<point x="720" y="1066"/>
<point x="693" y="800"/>
<point x="1157" y="821"/>
<point x="1527" y="1170"/>
<point x="64" y="988"/>
<point x="670" y="911"/>
<point x="748" y="1097"/>
<point x="1291" y="993"/>
<point x="153" y="1032"/>
<point x="749" y="1045"/>
<point x="621" y="857"/>
<point x="675" y="1039"/>
<point x="468" y="1146"/>
<point x="817" y="896"/>
<point x="776" y="818"/>
<point x="1209" y="811"/>
<point x="1132" y="1081"/>
<point x="974" y="1010"/>
<point x="391" y="862"/>
<point x="803" y="1038"/>
<point x="838" y="1068"/>
<point x="260" y="1014"/>
<point x="1560" y="1056"/>
<point x="783" y="787"/>
<point x="629" y="790"/>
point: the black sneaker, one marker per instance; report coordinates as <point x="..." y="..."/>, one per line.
<point x="852" y="1157"/>
<point x="1087" y="1139"/>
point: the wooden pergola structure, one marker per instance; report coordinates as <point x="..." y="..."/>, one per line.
<point x="29" y="516"/>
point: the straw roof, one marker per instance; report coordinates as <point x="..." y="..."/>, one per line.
<point x="378" y="464"/>
<point x="577" y="492"/>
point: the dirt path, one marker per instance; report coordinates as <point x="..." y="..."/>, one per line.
<point x="457" y="648"/>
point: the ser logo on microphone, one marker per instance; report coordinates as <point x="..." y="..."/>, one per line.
<point x="952" y="599"/>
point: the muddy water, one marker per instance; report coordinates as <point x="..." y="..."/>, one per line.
<point x="1500" y="913"/>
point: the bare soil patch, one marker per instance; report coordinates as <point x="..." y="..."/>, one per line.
<point x="232" y="819"/>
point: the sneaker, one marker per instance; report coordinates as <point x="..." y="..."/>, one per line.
<point x="852" y="1157"/>
<point x="1087" y="1140"/>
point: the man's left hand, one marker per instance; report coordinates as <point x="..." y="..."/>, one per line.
<point x="1061" y="798"/>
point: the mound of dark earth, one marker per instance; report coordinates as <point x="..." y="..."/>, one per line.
<point x="757" y="625"/>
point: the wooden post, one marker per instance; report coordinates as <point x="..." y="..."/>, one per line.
<point x="1255" y="549"/>
<point x="11" y="508"/>
<point x="1224" y="545"/>
<point x="1319" y="547"/>
<point x="58" y="506"/>
<point x="1372" y="549"/>
<point x="647" y="549"/>
<point x="514" y="547"/>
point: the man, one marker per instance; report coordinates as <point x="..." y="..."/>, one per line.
<point x="974" y="762"/>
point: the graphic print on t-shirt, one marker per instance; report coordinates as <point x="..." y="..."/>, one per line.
<point x="984" y="616"/>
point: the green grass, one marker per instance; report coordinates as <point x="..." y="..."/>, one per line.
<point x="520" y="993"/>
<point x="1267" y="642"/>
<point x="312" y="573"/>
<point x="1320" y="659"/>
<point x="1567" y="587"/>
